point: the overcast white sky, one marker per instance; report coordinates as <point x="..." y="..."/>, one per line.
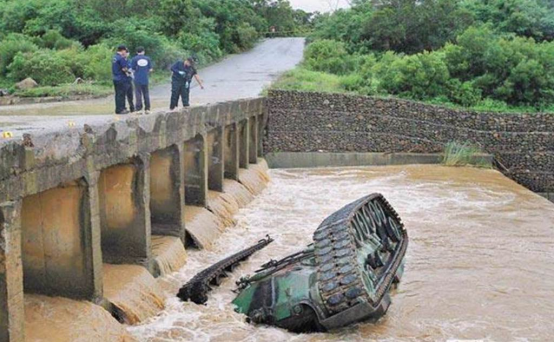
<point x="316" y="5"/>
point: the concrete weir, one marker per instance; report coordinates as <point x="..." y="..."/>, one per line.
<point x="94" y="214"/>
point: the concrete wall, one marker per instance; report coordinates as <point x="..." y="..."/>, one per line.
<point x="167" y="192"/>
<point x="54" y="246"/>
<point x="72" y="200"/>
<point x="216" y="165"/>
<point x="125" y="213"/>
<point x="231" y="152"/>
<point x="196" y="177"/>
<point x="312" y="122"/>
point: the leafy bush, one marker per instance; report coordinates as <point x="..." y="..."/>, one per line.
<point x="327" y="56"/>
<point x="246" y="36"/>
<point x="421" y="76"/>
<point x="95" y="60"/>
<point x="352" y="82"/>
<point x="44" y="66"/>
<point x="515" y="70"/>
<point x="75" y="58"/>
<point x="10" y="46"/>
<point x="15" y="14"/>
<point x="464" y="93"/>
<point x="53" y="39"/>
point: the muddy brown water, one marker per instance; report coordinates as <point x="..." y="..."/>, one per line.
<point x="479" y="265"/>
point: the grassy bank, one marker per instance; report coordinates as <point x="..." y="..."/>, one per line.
<point x="67" y="91"/>
<point x="72" y="90"/>
<point x="304" y="79"/>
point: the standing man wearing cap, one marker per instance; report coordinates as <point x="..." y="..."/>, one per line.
<point x="183" y="72"/>
<point x="119" y="76"/>
<point x="142" y="67"/>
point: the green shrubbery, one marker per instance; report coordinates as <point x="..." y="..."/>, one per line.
<point x="54" y="40"/>
<point x="327" y="56"/>
<point x="54" y="67"/>
<point x="46" y="67"/>
<point x="10" y="46"/>
<point x="479" y="66"/>
<point x="471" y="53"/>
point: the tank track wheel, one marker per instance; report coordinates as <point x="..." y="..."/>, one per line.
<point x="342" y="280"/>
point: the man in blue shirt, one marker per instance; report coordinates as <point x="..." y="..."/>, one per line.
<point x="129" y="83"/>
<point x="142" y="67"/>
<point x="119" y="76"/>
<point x="183" y="72"/>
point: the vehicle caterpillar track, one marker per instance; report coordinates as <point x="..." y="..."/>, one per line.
<point x="342" y="280"/>
<point x="344" y="277"/>
<point x="197" y="289"/>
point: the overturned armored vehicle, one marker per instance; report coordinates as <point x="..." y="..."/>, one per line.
<point x="344" y="277"/>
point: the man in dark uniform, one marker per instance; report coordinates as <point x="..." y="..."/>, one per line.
<point x="183" y="72"/>
<point x="142" y="67"/>
<point x="129" y="83"/>
<point x="119" y="76"/>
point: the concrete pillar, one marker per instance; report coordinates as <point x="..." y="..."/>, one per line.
<point x="124" y="192"/>
<point x="93" y="236"/>
<point x="216" y="165"/>
<point x="59" y="245"/>
<point x="244" y="134"/>
<point x="167" y="192"/>
<point x="261" y="130"/>
<point x="231" y="152"/>
<point x="196" y="171"/>
<point x="253" y="140"/>
<point x="12" y="316"/>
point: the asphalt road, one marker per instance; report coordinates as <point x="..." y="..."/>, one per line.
<point x="236" y="77"/>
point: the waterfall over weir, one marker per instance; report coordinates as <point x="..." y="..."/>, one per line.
<point x="62" y="319"/>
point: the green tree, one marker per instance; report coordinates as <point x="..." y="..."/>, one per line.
<point x="529" y="18"/>
<point x="178" y="15"/>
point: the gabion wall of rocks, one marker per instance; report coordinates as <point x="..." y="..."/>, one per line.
<point x="523" y="144"/>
